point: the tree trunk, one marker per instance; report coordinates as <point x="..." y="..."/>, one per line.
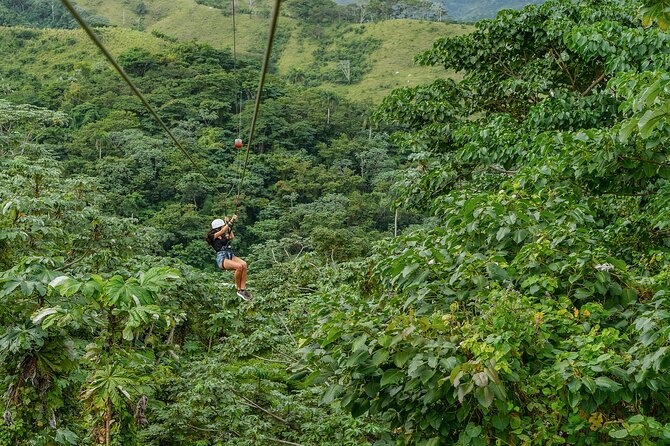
<point x="38" y="180"/>
<point x="395" y="224"/>
<point x="108" y="423"/>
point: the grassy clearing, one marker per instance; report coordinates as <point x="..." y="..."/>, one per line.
<point x="187" y="20"/>
<point x="211" y="26"/>
<point x="393" y="63"/>
<point x="298" y="53"/>
<point x="55" y="52"/>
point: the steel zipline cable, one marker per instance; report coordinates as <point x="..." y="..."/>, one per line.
<point x="238" y="107"/>
<point x="128" y="81"/>
<point x="266" y="62"/>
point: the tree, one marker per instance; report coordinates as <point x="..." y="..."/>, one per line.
<point x="381" y="10"/>
<point x="137" y="61"/>
<point x="331" y="100"/>
<point x="438" y="11"/>
<point x="51" y="223"/>
<point x="141" y="9"/>
<point x="374" y="161"/>
<point x="316" y="12"/>
<point x="543" y="175"/>
<point x="655" y="11"/>
<point x="252" y="7"/>
<point x="193" y="186"/>
<point x="94" y="338"/>
<point x="44" y="14"/>
<point x="23" y="125"/>
<point x="129" y="309"/>
<point x="356" y="12"/>
<point x="93" y="139"/>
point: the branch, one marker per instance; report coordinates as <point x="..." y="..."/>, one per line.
<point x="297" y="256"/>
<point x="270" y="360"/>
<point x="171" y="335"/>
<point x="287" y="330"/>
<point x="201" y="429"/>
<point x="643" y="194"/>
<point x="214" y="431"/>
<point x="594" y="83"/>
<point x="501" y="170"/>
<point x="256" y="406"/>
<point x="77" y="260"/>
<point x="246" y="401"/>
<point x="282" y="441"/>
<point x="642" y="160"/>
<point x="564" y="67"/>
<point x="658" y="233"/>
<point x="288" y="357"/>
<point x="508" y="71"/>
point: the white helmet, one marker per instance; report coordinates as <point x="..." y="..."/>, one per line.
<point x="218" y="223"/>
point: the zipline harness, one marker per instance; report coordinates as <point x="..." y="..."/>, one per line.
<point x="266" y="61"/>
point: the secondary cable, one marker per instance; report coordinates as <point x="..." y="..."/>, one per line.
<point x="128" y="81"/>
<point x="259" y="92"/>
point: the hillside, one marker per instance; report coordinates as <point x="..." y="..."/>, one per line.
<point x="473" y="10"/>
<point x="388" y="65"/>
<point x="391" y="63"/>
<point x="62" y="49"/>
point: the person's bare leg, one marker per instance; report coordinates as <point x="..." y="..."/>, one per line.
<point x="237" y="266"/>
<point x="243" y="270"/>
<point x="239" y="279"/>
<point x="243" y="278"/>
<point x="243" y="275"/>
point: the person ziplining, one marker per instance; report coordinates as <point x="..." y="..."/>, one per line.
<point x="220" y="237"/>
<point x="221" y="234"/>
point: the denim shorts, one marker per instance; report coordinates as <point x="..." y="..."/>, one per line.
<point x="225" y="253"/>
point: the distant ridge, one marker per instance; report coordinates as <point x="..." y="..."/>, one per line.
<point x="379" y="52"/>
<point x="473" y="10"/>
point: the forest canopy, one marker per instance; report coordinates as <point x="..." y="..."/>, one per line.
<point x="523" y="301"/>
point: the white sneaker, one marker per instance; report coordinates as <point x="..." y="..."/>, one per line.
<point x="244" y="295"/>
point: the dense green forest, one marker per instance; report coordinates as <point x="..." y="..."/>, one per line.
<point x="524" y="300"/>
<point x="42" y="14"/>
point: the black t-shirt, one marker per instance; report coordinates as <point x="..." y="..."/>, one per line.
<point x="218" y="244"/>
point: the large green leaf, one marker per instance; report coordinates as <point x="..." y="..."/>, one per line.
<point x="391" y="376"/>
<point x="125" y="293"/>
<point x="333" y="392"/>
<point x="648" y="122"/>
<point x="608" y="384"/>
<point x="620" y="433"/>
<point x="158" y="278"/>
<point x="66" y="285"/>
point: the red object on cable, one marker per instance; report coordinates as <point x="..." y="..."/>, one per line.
<point x="238" y="143"/>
